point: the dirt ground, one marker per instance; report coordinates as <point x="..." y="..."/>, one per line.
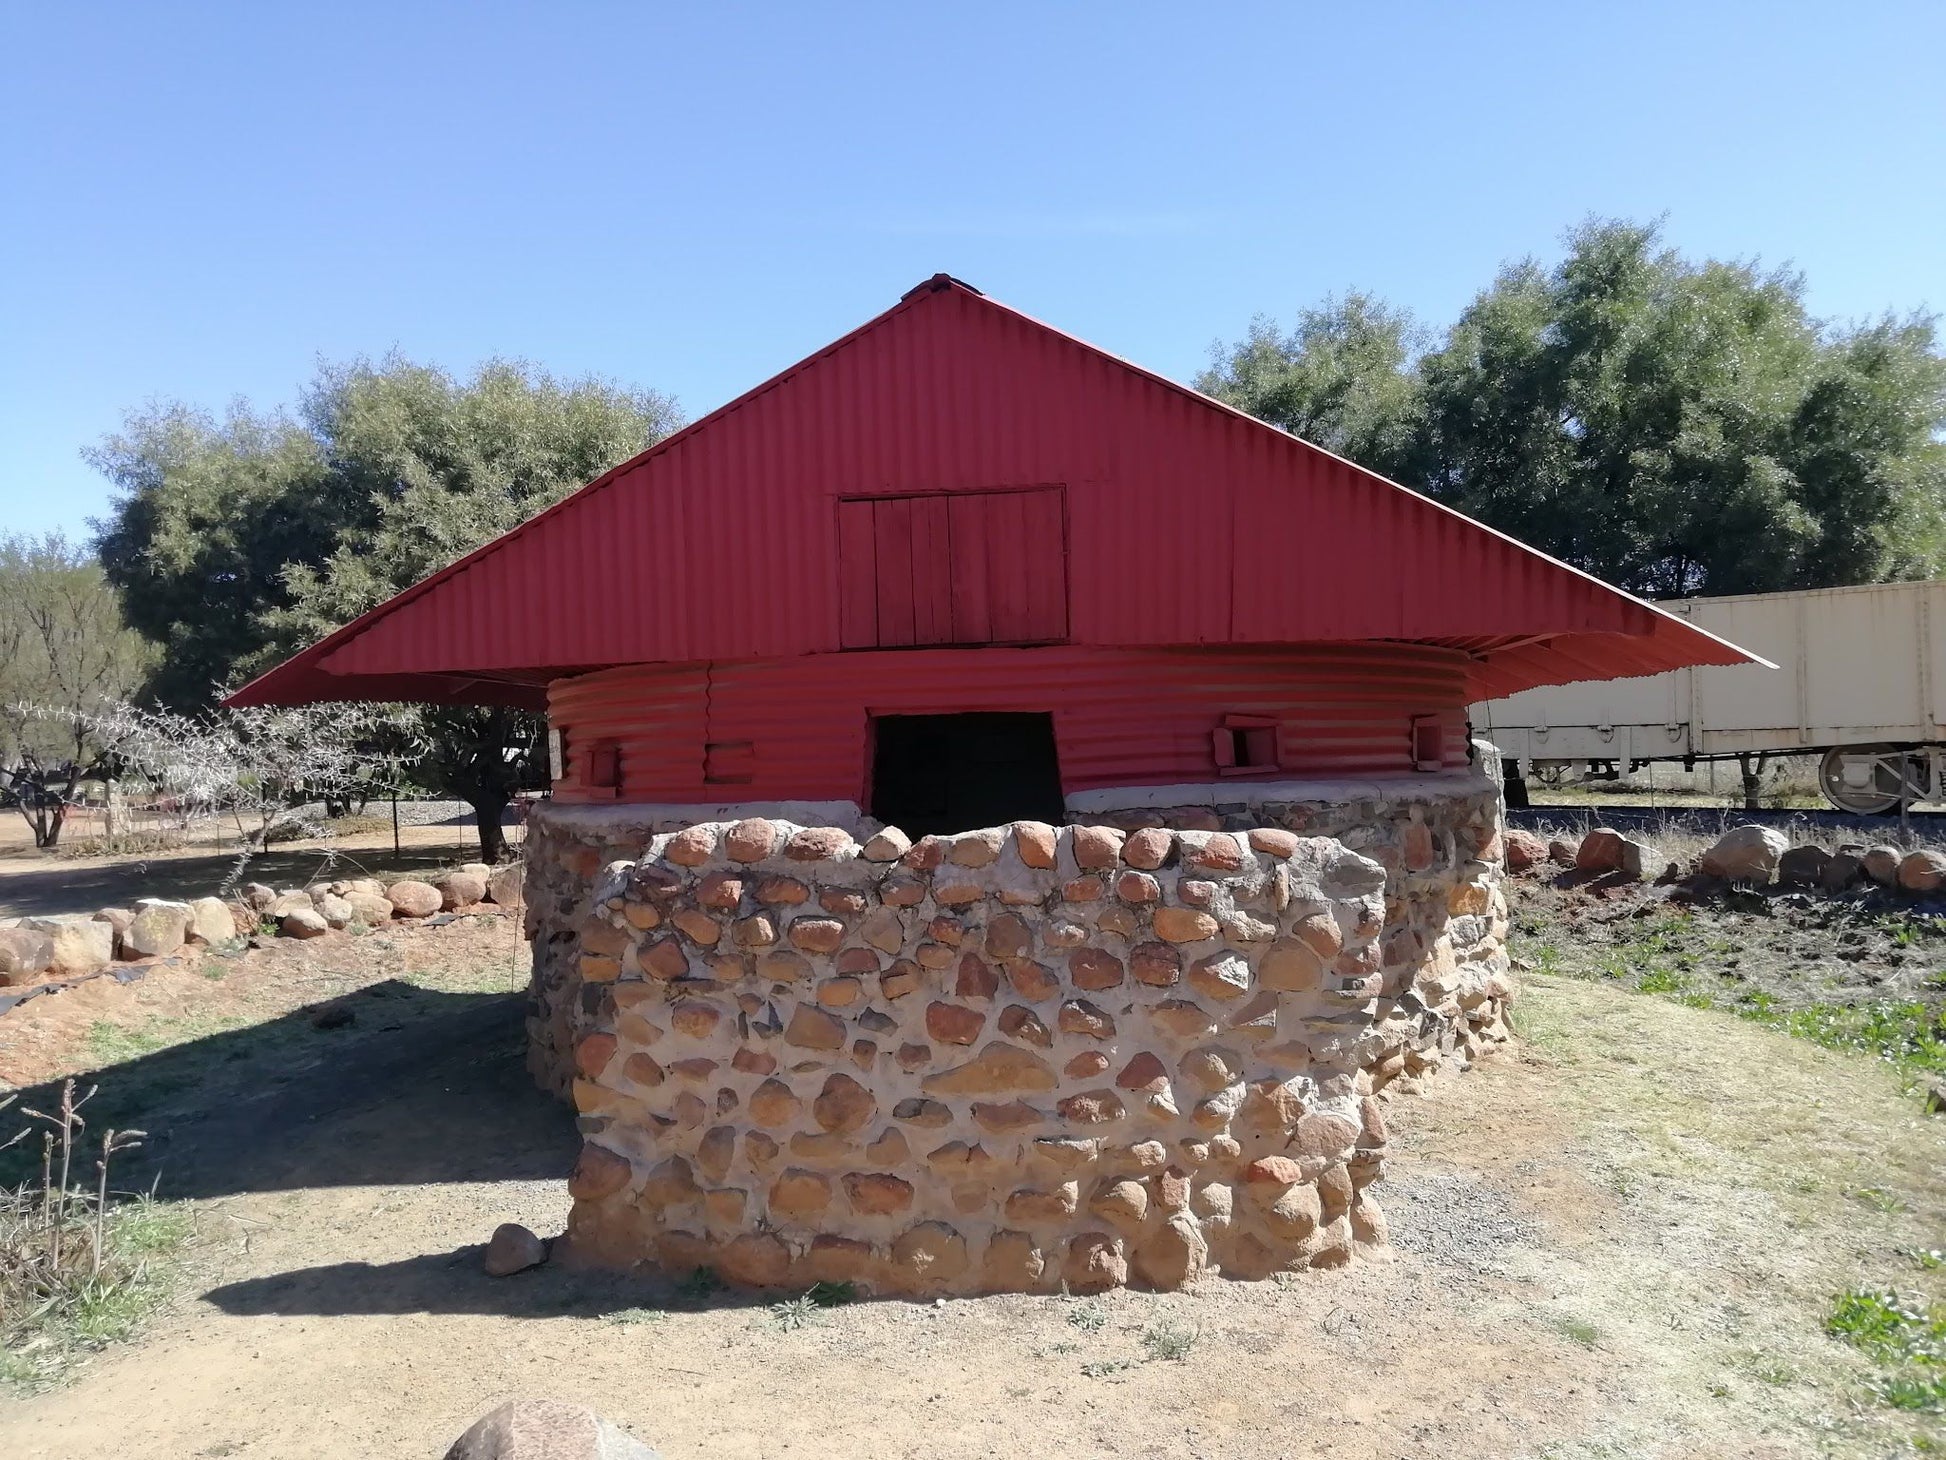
<point x="1617" y="1239"/>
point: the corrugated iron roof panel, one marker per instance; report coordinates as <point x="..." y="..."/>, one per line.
<point x="1188" y="523"/>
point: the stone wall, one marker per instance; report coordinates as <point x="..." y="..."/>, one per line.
<point x="1013" y="1058"/>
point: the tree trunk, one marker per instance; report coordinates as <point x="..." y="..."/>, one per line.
<point x="488" y="807"/>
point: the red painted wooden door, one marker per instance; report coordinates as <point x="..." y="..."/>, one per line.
<point x="953" y="568"/>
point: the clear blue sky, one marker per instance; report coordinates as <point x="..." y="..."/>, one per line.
<point x="199" y="202"/>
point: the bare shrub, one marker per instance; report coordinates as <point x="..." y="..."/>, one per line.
<point x="75" y="1258"/>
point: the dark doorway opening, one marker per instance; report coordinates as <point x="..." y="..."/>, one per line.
<point x="944" y="773"/>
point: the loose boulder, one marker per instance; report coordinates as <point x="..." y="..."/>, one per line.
<point x="1804" y="867"/>
<point x="547" y="1429"/>
<point x="1524" y="850"/>
<point x="412" y="899"/>
<point x="24" y="955"/>
<point x="286" y="903"/>
<point x="335" y="910"/>
<point x="505" y="884"/>
<point x="158" y="928"/>
<point x="1881" y="864"/>
<point x="1745" y="854"/>
<point x="373" y="909"/>
<point x="461" y="889"/>
<point x="210" y="920"/>
<point x="1922" y="871"/>
<point x="304" y="922"/>
<point x="1845" y="870"/>
<point x="1606" y="851"/>
<point x="81" y="945"/>
<point x="513" y="1248"/>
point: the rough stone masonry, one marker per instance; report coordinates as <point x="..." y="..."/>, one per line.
<point x="1012" y="1059"/>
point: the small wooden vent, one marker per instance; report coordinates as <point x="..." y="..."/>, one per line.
<point x="1245" y="745"/>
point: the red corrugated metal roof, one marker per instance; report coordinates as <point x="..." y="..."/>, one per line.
<point x="1187" y="522"/>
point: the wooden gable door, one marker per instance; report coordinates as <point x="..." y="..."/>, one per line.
<point x="953" y="568"/>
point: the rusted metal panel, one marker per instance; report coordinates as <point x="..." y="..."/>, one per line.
<point x="1122" y="717"/>
<point x="1181" y="522"/>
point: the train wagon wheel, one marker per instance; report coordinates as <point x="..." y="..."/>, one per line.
<point x="1864" y="779"/>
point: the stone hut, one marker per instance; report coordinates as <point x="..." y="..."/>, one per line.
<point x="1011" y="815"/>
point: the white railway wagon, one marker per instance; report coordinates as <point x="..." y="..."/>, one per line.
<point x="1860" y="679"/>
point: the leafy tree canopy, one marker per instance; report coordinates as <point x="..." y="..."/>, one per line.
<point x="235" y="543"/>
<point x="1671" y="426"/>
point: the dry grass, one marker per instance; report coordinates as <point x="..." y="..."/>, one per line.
<point x="1753" y="1180"/>
<point x="75" y="1258"/>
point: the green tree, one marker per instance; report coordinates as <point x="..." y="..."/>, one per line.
<point x="209" y="518"/>
<point x="1674" y="427"/>
<point x="1342" y="379"/>
<point x="418" y="467"/>
<point x="65" y="655"/>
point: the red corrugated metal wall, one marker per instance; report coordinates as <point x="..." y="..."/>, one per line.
<point x="1185" y="525"/>
<point x="1121" y="718"/>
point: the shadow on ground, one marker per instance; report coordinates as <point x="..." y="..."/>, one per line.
<point x="452" y="1282"/>
<point x="394" y="1084"/>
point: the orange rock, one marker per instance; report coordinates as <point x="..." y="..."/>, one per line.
<point x="698" y="926"/>
<point x="1092" y="969"/>
<point x="774" y="1104"/>
<point x="1087" y="1064"/>
<point x="834" y="1259"/>
<point x="598" y="1172"/>
<point x="812" y="1028"/>
<point x="954" y="1023"/>
<point x="926" y="1114"/>
<point x="750" y="841"/>
<point x="816" y="935"/>
<point x="1148" y="849"/>
<point x="977" y="978"/>
<point x="1183" y="925"/>
<point x="877" y="1193"/>
<point x="1008" y="936"/>
<point x="691" y="847"/>
<point x="1290" y="967"/>
<point x="929" y="1256"/>
<point x="780" y="965"/>
<point x="1092" y="1107"/>
<point x="1041" y="1204"/>
<point x="1094" y="1263"/>
<point x="838" y="993"/>
<point x="1035" y="842"/>
<point x="1273" y="1171"/>
<point x="799" y="1193"/>
<point x="642" y="1070"/>
<point x="756" y="1260"/>
<point x="1079" y="1016"/>
<point x="1032" y="981"/>
<point x="843" y="1105"/>
<point x="695" y="1017"/>
<point x="999" y="1069"/>
<point x="1220" y="852"/>
<point x="1015" y="1115"/>
<point x="1155" y="964"/>
<point x="1019" y="1022"/>
<point x="1096" y="848"/>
